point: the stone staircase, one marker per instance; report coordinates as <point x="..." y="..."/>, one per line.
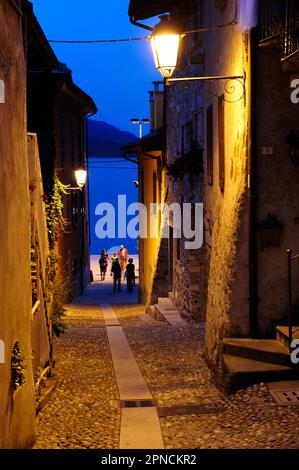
<point x="248" y="361"/>
<point x="166" y="311"/>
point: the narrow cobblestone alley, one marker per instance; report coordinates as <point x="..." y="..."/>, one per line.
<point x="85" y="411"/>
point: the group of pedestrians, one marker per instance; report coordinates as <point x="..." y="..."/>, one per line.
<point x="121" y="264"/>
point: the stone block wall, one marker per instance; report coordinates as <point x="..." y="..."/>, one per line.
<point x="17" y="413"/>
<point x="226" y="230"/>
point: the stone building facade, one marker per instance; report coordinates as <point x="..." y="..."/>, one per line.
<point x="17" y="413"/>
<point x="71" y="110"/>
<point x="58" y="117"/>
<point x="184" y="137"/>
<point x="148" y="153"/>
<point x="246" y="125"/>
<point x="28" y="85"/>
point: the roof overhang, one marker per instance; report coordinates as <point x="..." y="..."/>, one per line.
<point x="142" y="9"/>
<point x="152" y="142"/>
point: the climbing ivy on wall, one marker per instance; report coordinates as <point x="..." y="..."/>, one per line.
<point x="58" y="288"/>
<point x="54" y="210"/>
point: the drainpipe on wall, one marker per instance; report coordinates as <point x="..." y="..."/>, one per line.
<point x="252" y="189"/>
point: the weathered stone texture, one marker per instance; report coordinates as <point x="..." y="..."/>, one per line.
<point x="17" y="417"/>
<point x="184" y="100"/>
<point x="226" y="212"/>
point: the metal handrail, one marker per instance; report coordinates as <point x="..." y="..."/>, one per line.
<point x="279" y="19"/>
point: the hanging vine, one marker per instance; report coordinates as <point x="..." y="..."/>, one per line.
<point x="54" y="210"/>
<point x="58" y="288"/>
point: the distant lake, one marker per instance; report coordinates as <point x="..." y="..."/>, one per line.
<point x="109" y="178"/>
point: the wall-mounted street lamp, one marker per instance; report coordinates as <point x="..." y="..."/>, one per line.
<point x="165" y="41"/>
<point x="141" y="123"/>
<point x="81" y="176"/>
<point x="270" y="230"/>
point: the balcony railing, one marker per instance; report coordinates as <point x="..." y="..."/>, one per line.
<point x="279" y="23"/>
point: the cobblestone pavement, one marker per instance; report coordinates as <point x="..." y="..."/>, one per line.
<point x="171" y="361"/>
<point x="85" y="413"/>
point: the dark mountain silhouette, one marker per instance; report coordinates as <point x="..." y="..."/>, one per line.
<point x="105" y="139"/>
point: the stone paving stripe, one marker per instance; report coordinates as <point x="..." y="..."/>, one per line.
<point x="109" y="315"/>
<point x="140" y="429"/>
<point x="131" y="384"/>
<point x="140" y="426"/>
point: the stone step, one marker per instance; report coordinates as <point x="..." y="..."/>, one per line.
<point x="241" y="373"/>
<point x="164" y="301"/>
<point x="169" y="313"/>
<point x="263" y="350"/>
<point x="282" y="334"/>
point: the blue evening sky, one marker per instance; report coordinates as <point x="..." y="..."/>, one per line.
<point x="118" y="75"/>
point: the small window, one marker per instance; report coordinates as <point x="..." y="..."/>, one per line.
<point x="142" y="185"/>
<point x="221" y="142"/>
<point x="210" y="145"/>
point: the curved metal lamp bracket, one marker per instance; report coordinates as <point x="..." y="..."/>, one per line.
<point x="230" y="84"/>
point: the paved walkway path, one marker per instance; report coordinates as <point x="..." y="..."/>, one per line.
<point x="140" y="427"/>
<point x="109" y="334"/>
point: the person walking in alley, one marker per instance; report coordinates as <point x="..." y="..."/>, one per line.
<point x="103" y="262"/>
<point x="113" y="258"/>
<point x="130" y="274"/>
<point x="116" y="272"/>
<point x="123" y="256"/>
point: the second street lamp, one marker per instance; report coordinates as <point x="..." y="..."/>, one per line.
<point x="81" y="175"/>
<point x="141" y="123"/>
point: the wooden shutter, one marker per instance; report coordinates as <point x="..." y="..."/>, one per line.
<point x="221" y="143"/>
<point x="210" y="144"/>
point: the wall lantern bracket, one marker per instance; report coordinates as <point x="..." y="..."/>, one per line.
<point x="270" y="230"/>
<point x="231" y="84"/>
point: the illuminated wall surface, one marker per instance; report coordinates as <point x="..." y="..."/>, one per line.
<point x="15" y="326"/>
